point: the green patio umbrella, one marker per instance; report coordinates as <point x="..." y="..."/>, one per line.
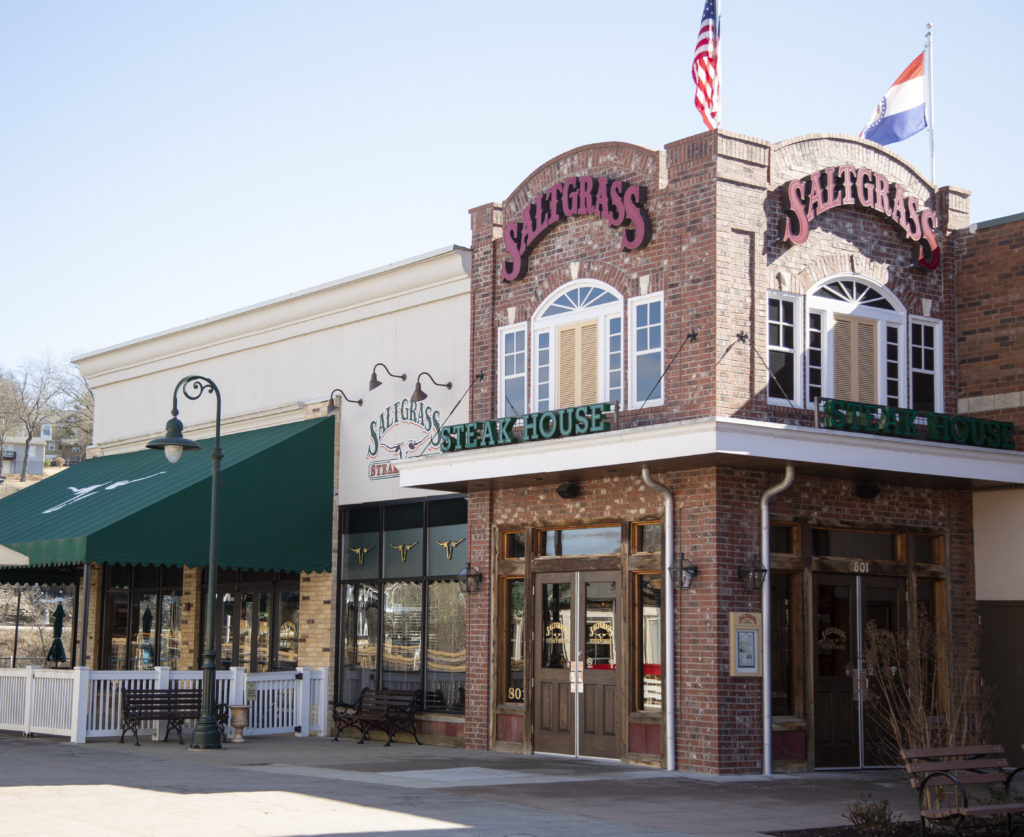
<point x="56" y="653"/>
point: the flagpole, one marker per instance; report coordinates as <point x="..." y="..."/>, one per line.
<point x="931" y="97"/>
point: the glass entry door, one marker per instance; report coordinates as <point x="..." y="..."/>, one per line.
<point x="843" y="605"/>
<point x="577" y="677"/>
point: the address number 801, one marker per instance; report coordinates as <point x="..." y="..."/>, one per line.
<point x="860" y="567"/>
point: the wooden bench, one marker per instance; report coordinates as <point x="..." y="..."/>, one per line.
<point x="947" y="778"/>
<point x="389" y="710"/>
<point x="175" y="706"/>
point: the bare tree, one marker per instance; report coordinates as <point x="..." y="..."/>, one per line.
<point x="8" y="413"/>
<point x="44" y="391"/>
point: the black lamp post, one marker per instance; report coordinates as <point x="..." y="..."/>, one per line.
<point x="207" y="734"/>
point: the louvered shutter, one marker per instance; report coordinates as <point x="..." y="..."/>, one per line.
<point x="578" y="365"/>
<point x="588" y="364"/>
<point x="855" y="359"/>
<point x="567" y="378"/>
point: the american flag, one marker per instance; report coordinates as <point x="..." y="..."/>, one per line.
<point x="705" y="65"/>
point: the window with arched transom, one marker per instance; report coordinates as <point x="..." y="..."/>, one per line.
<point x="852" y="339"/>
<point x="583" y="345"/>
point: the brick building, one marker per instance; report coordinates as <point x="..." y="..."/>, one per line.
<point x="685" y="423"/>
<point x="770" y="335"/>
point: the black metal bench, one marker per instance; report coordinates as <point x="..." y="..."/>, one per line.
<point x="946" y="778"/>
<point x="389" y="710"/>
<point x="140" y="705"/>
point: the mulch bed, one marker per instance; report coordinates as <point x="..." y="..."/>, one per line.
<point x="902" y="829"/>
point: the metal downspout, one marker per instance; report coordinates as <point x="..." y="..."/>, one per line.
<point x="766" y="614"/>
<point x="670" y="629"/>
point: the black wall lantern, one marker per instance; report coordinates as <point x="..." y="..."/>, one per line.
<point x="568" y="490"/>
<point x="470" y="579"/>
<point x="752" y="575"/>
<point x="683" y="572"/>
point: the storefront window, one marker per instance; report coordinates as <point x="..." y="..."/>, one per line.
<point x="142" y="621"/>
<point x="446" y="538"/>
<point x="403" y="541"/>
<point x="170" y="630"/>
<point x="26" y="624"/>
<point x="360" y="626"/>
<point x="446" y="647"/>
<point x="785" y="639"/>
<point x="849" y="543"/>
<point x="288" y="631"/>
<point x="647" y="654"/>
<point x="597" y="540"/>
<point x="246" y="603"/>
<point x="419" y="642"/>
<point x="403" y="635"/>
<point x="647" y="537"/>
<point x="515" y="630"/>
<point x="116" y="630"/>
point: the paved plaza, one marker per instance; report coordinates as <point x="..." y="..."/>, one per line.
<point x="281" y="785"/>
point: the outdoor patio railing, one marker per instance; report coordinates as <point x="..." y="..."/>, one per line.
<point x="81" y="703"/>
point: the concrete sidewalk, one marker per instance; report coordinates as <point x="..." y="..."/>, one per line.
<point x="282" y="785"/>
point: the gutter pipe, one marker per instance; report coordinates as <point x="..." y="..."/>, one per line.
<point x="668" y="598"/>
<point x="766" y="614"/>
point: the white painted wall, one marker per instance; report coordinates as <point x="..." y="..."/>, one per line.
<point x="999" y="544"/>
<point x="271" y="361"/>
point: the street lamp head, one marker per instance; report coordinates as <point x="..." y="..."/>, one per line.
<point x="173" y="443"/>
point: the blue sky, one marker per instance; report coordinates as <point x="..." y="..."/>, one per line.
<point x="226" y="152"/>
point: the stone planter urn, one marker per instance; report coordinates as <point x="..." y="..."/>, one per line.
<point x="239" y="720"/>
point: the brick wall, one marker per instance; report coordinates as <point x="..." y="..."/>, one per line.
<point x="990" y="314"/>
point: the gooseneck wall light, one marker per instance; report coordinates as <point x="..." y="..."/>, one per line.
<point x="418" y="394"/>
<point x="207" y="734"/>
<point x="335" y="401"/>
<point x="375" y="381"/>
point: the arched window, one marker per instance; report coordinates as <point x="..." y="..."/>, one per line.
<point x="852" y="339"/>
<point x="576" y="342"/>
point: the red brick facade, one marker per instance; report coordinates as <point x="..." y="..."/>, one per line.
<point x="715" y="202"/>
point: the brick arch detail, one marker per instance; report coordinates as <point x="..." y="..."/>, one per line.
<point x="631" y="162"/>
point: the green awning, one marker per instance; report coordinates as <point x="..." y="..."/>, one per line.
<point x="276" y="506"/>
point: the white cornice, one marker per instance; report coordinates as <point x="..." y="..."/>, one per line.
<point x="414" y="282"/>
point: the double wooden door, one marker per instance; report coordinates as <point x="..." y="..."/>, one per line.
<point x="577" y="676"/>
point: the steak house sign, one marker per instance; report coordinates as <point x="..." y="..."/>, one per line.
<point x="807" y="198"/>
<point x="616" y="201"/>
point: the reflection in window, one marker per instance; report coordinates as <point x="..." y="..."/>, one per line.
<point x="446" y="647"/>
<point x="360" y="625"/>
<point x="403" y="635"/>
<point x="170" y="631"/>
<point x="419" y="641"/>
<point x="598" y="540"/>
<point x="599" y="600"/>
<point x="648" y="350"/>
<point x="556" y="625"/>
<point x="143" y="653"/>
<point x="288" y="631"/>
<point x="515" y="631"/>
<point x="647" y="537"/>
<point x="648" y="621"/>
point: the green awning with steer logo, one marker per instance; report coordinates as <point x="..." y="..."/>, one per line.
<point x="276" y="506"/>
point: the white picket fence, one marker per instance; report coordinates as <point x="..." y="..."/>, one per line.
<point x="81" y="703"/>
